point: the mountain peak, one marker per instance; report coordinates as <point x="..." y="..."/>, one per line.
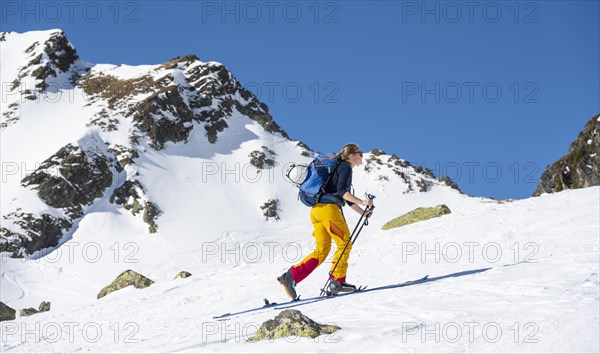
<point x="39" y="59"/>
<point x="157" y="144"/>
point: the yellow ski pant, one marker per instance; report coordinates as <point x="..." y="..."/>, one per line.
<point x="328" y="223"/>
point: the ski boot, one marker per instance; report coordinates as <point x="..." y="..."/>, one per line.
<point x="337" y="287"/>
<point x="289" y="285"/>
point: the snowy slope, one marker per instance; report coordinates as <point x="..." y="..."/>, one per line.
<point x="539" y="295"/>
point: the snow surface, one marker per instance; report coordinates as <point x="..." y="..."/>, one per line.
<point x="533" y="287"/>
<point x="520" y="276"/>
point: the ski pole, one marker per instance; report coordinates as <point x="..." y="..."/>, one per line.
<point x="352" y="239"/>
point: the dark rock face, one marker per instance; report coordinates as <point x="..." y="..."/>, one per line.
<point x="7" y="313"/>
<point x="163" y="117"/>
<point x="129" y="189"/>
<point x="151" y="212"/>
<point x="61" y="55"/>
<point x="260" y="159"/>
<point x="449" y="182"/>
<point x="291" y="323"/>
<point x="377" y="152"/>
<point x="580" y="168"/>
<point x="210" y="96"/>
<point x="423" y="178"/>
<point x="71" y="179"/>
<point x="306" y="150"/>
<point x="37" y="233"/>
<point x="132" y="197"/>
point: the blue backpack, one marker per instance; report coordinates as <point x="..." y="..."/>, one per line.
<point x="319" y="172"/>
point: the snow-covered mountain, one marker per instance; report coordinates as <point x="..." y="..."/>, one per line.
<point x="175" y="166"/>
<point x="179" y="143"/>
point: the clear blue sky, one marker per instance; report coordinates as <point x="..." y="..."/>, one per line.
<point x="489" y="93"/>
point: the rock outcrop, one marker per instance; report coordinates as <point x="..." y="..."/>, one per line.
<point x="44" y="306"/>
<point x="417" y="215"/>
<point x="291" y="323"/>
<point x="125" y="279"/>
<point x="580" y="168"/>
<point x="71" y="179"/>
<point x="270" y="209"/>
<point x="7" y="313"/>
<point x="183" y="274"/>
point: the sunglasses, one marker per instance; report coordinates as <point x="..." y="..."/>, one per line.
<point x="359" y="152"/>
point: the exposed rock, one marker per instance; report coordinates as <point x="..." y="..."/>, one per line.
<point x="425" y="171"/>
<point x="44" y="306"/>
<point x="10" y="115"/>
<point x="211" y="96"/>
<point x="125" y="156"/>
<point x="35" y="233"/>
<point x="270" y="209"/>
<point x="449" y="182"/>
<point x="104" y="120"/>
<point x="183" y="274"/>
<point x="377" y="152"/>
<point x="423" y="185"/>
<point x="129" y="196"/>
<point x="7" y="313"/>
<point x="164" y="116"/>
<point x="580" y="168"/>
<point x="174" y="63"/>
<point x="27" y="312"/>
<point x="60" y="56"/>
<point x="151" y="212"/>
<point x="223" y="92"/>
<point x="125" y="279"/>
<point x="71" y="179"/>
<point x="417" y="215"/>
<point x="291" y="323"/>
<point x="396" y="161"/>
<point x="132" y="197"/>
<point x="117" y="91"/>
<point x="259" y="159"/>
<point x="373" y="162"/>
<point x="307" y="151"/>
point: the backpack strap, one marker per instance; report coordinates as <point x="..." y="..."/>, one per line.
<point x="325" y="195"/>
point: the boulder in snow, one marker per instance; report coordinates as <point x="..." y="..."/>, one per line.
<point x="183" y="274"/>
<point x="419" y="214"/>
<point x="125" y="279"/>
<point x="291" y="323"/>
<point x="44" y="307"/>
<point x="7" y="313"/>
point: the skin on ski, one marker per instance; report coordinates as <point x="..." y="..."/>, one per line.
<point x="322" y="298"/>
<point x="299" y="302"/>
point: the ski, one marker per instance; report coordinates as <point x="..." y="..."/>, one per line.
<point x="265" y="306"/>
<point x="300" y="302"/>
<point x="361" y="291"/>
